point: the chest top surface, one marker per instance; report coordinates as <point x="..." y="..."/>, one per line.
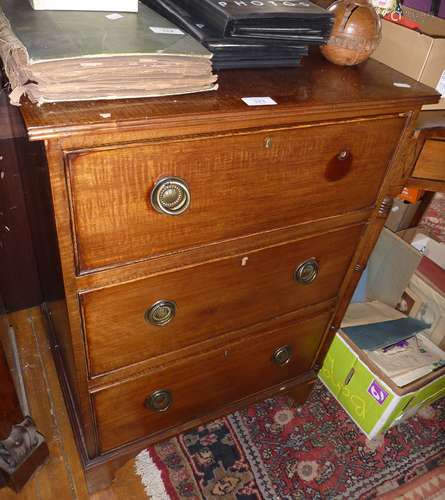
<point x="317" y="88"/>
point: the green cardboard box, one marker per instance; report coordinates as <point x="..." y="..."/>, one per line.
<point x="371" y="399"/>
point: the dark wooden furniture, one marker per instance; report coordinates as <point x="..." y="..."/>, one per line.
<point x="28" y="246"/>
<point x="19" y="281"/>
<point x="175" y="319"/>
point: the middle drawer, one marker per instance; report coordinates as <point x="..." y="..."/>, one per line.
<point x="128" y="323"/>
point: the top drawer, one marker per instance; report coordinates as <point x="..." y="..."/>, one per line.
<point x="238" y="185"/>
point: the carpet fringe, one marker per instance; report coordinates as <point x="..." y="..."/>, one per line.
<point x="150" y="476"/>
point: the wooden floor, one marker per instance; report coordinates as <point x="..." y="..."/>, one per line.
<point x="61" y="477"/>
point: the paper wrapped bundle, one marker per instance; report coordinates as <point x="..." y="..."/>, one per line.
<point x="70" y="56"/>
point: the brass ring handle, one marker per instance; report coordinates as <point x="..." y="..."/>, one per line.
<point x="282" y="355"/>
<point x="159" y="400"/>
<point x="307" y="271"/>
<point x="161" y="313"/>
<point x="170" y="195"/>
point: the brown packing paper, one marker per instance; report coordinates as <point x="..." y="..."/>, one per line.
<point x="15" y="59"/>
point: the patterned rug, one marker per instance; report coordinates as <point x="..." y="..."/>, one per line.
<point x="271" y="450"/>
<point x="433" y="219"/>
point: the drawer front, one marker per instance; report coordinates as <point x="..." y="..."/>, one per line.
<point x="431" y="162"/>
<point x="128" y="323"/>
<point x="204" y="383"/>
<point x="226" y="187"/>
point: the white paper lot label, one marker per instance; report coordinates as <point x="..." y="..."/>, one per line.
<point x="259" y="101"/>
<point x="166" y="31"/>
<point x="114" y="17"/>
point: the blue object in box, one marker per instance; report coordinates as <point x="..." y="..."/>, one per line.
<point x="385" y="333"/>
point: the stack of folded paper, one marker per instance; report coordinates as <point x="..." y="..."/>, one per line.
<point x="408" y="360"/>
<point x="246" y="33"/>
<point x="64" y="56"/>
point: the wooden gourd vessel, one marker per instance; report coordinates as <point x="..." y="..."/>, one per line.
<point x="356" y="32"/>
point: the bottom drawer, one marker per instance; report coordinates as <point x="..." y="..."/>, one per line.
<point x="174" y="395"/>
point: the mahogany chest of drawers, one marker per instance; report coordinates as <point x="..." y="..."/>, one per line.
<point x="209" y="249"/>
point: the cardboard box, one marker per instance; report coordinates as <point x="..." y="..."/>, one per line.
<point x="425" y="244"/>
<point x="427" y="286"/>
<point x="402" y="215"/>
<point x="372" y="401"/>
<point x="419" y="55"/>
<point x="390" y="268"/>
<point x="87" y="5"/>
